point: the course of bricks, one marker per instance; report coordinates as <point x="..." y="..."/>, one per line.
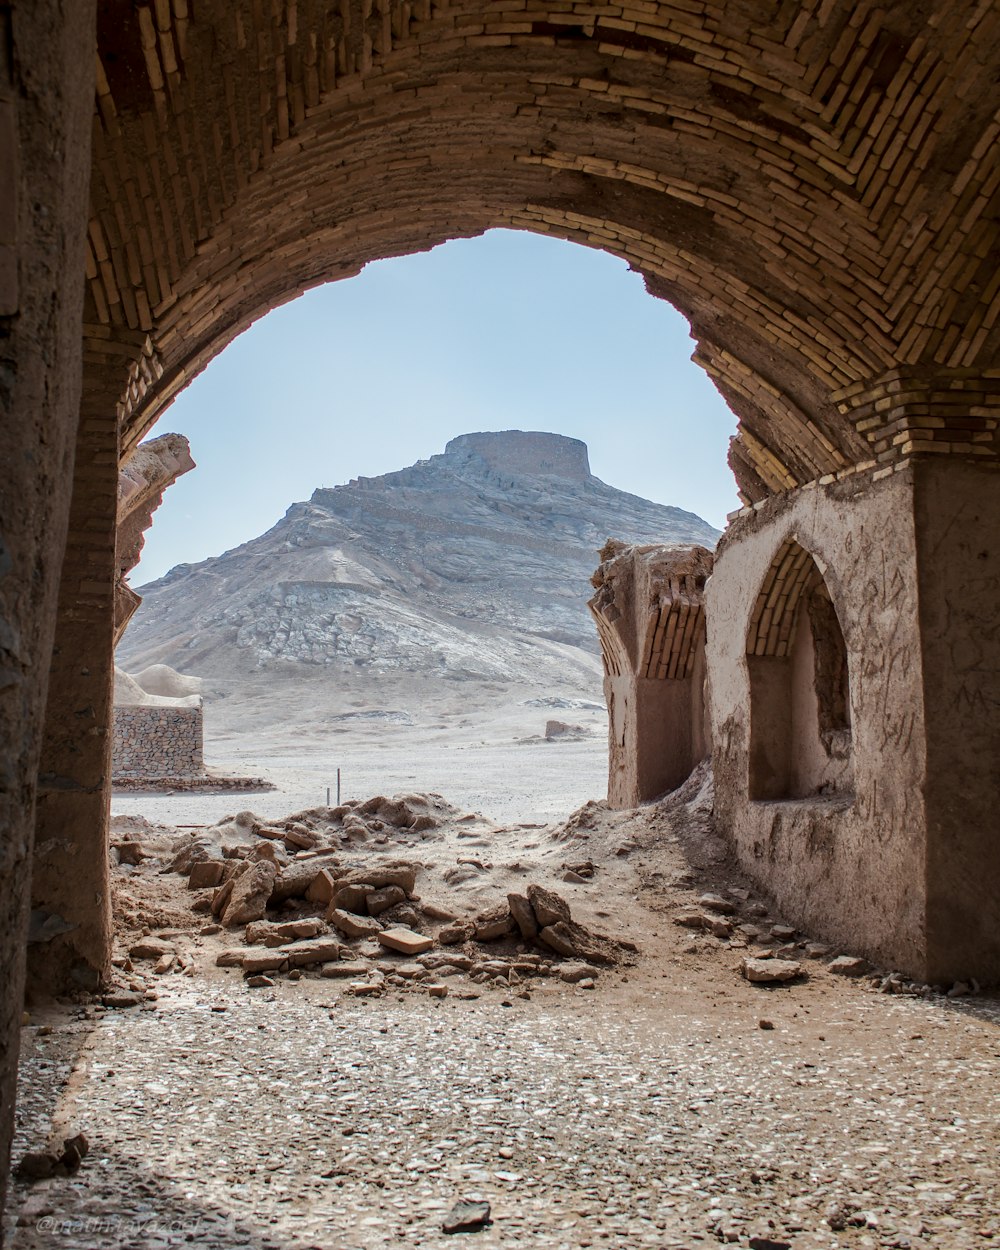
<point x="812" y="186"/>
<point x="151" y="742"/>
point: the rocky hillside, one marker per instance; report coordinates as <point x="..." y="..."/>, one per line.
<point x="472" y="564"/>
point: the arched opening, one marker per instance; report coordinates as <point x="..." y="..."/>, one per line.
<point x="800" y="699"/>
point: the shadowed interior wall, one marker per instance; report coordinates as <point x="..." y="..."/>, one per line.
<point x="46" y="94"/>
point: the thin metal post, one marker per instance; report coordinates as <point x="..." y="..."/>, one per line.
<point x="328" y="796"/>
<point x="338" y="787"/>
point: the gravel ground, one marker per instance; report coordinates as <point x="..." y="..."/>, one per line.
<point x="626" y="1116"/>
<point x="674" y="1105"/>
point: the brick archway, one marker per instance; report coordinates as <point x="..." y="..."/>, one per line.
<point x="772" y="177"/>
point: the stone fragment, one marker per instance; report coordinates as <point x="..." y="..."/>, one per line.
<point x="366" y="989"/>
<point x="345" y="968"/>
<point x="302" y="954"/>
<point x="405" y="941"/>
<point x="433" y="912"/>
<point x="353" y="926"/>
<point x="299" y="837"/>
<point x="259" y="981"/>
<point x="437" y="991"/>
<point x="382" y="899"/>
<point x="770" y="971"/>
<point x="121" y="998"/>
<point x="438" y="959"/>
<point x="36" y="1165"/>
<point x="715" y="902"/>
<point x="390" y="872"/>
<point x="572" y="973"/>
<point x="294" y="880"/>
<point x="257" y="960"/>
<point x="205" y="873"/>
<point x="847" y="966"/>
<point x="524" y="916"/>
<point x="230" y="959"/>
<point x="573" y="940"/>
<point x="129" y="853"/>
<point x="353" y="898"/>
<point x="494" y="923"/>
<point x="467" y="1217"/>
<point x="150" y="948"/>
<point x="267" y="933"/>
<point x="816" y="950"/>
<point x="220" y="898"/>
<point x="548" y="907"/>
<point x="783" y="932"/>
<point x="250" y="895"/>
<point x="587" y="983"/>
<point x="453" y="934"/>
<point x="322" y="888"/>
<point x="572" y="878"/>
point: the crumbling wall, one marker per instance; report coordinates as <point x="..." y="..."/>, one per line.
<point x="157" y="742"/>
<point x="142" y="480"/>
<point x="649" y="609"/>
<point x="847" y="864"/>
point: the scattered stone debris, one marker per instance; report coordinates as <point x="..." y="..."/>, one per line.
<point x="38" y="1165"/>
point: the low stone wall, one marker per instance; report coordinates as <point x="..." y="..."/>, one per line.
<point x="157" y="742"/>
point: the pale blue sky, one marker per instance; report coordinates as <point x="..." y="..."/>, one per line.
<point x="360" y="377"/>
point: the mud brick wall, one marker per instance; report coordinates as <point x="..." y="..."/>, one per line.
<point x="157" y="742"/>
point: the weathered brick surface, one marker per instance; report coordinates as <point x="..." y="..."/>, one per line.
<point x="812" y="185"/>
<point x="157" y="742"/>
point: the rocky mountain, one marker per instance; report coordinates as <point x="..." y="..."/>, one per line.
<point x="474" y="564"/>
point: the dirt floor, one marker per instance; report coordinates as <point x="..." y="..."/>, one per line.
<point x="659" y="1099"/>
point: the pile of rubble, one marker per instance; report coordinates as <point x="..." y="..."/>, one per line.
<point x="308" y="902"/>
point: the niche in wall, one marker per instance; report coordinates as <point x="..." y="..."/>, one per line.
<point x="800" y="701"/>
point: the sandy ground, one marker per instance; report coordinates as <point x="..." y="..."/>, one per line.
<point x="672" y="1105"/>
<point x="492" y="759"/>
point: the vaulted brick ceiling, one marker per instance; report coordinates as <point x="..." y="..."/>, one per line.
<point x="813" y="183"/>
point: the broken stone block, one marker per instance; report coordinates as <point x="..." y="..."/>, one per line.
<point x="567" y="938"/>
<point x="715" y="902"/>
<point x="150" y="948"/>
<point x="382" y="899"/>
<point x="466" y="1217"/>
<point x="572" y="973"/>
<point x="770" y="971"/>
<point x="548" y="907"/>
<point x="294" y="880"/>
<point x="249" y="898"/>
<point x="391" y="872"/>
<point x="405" y="941"/>
<point x="220" y="898"/>
<point x="524" y="916"/>
<point x="783" y="932"/>
<point x="437" y="991"/>
<point x="847" y="966"/>
<point x="266" y="933"/>
<point x="353" y="898"/>
<point x="229" y="959"/>
<point x="322" y="888"/>
<point x="433" y="912"/>
<point x="302" y="954"/>
<point x="495" y="923"/>
<point x="345" y="968"/>
<point x="259" y="981"/>
<point x="300" y="838"/>
<point x="353" y="926"/>
<point x="204" y="874"/>
<point x="453" y="934"/>
<point x="257" y="960"/>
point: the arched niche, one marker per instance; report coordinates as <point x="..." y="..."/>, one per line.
<point x="800" y="697"/>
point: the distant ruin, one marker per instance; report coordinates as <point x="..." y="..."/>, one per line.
<point x="158" y="727"/>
